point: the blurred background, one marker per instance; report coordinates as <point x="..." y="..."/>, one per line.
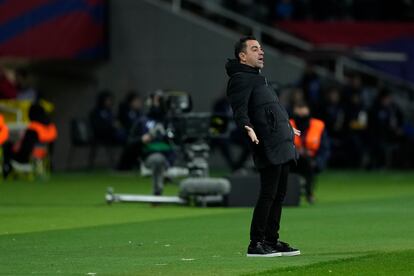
<point x="131" y="94"/>
<point x="97" y="67"/>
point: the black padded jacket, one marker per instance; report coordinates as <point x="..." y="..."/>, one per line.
<point x="255" y="104"/>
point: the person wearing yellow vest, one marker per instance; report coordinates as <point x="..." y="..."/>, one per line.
<point x="312" y="146"/>
<point x="4" y="131"/>
<point x="38" y="137"/>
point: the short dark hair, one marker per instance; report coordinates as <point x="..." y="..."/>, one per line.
<point x="240" y="45"/>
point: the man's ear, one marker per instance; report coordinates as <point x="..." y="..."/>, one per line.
<point x="242" y="56"/>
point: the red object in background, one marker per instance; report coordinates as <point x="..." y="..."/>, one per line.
<point x="62" y="44"/>
<point x="7" y="89"/>
<point x="4" y="131"/>
<point x="53" y="29"/>
<point x="396" y="37"/>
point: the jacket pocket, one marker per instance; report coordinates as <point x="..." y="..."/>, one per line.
<point x="271" y="119"/>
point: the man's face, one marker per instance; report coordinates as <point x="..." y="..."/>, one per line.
<point x="253" y="55"/>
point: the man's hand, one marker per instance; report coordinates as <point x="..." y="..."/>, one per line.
<point x="296" y="131"/>
<point x="252" y="135"/>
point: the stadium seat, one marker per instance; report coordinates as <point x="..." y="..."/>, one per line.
<point x="39" y="166"/>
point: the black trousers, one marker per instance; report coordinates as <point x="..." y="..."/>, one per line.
<point x="268" y="210"/>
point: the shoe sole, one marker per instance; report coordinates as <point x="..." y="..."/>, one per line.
<point x="264" y="255"/>
<point x="291" y="254"/>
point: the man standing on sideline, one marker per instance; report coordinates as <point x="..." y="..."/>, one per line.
<point x="258" y="112"/>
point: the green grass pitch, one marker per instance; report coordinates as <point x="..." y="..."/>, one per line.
<point x="362" y="224"/>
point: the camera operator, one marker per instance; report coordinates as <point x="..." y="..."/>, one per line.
<point x="150" y="135"/>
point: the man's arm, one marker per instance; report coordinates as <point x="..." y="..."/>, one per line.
<point x="238" y="92"/>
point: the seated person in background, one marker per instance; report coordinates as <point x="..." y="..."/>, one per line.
<point x="333" y="114"/>
<point x="385" y="127"/>
<point x="40" y="133"/>
<point x="151" y="136"/>
<point x="104" y="126"/>
<point x="355" y="123"/>
<point x="312" y="146"/>
<point x="311" y="86"/>
<point x="296" y="95"/>
<point x="130" y="112"/>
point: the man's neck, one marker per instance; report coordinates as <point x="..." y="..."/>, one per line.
<point x="245" y="63"/>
